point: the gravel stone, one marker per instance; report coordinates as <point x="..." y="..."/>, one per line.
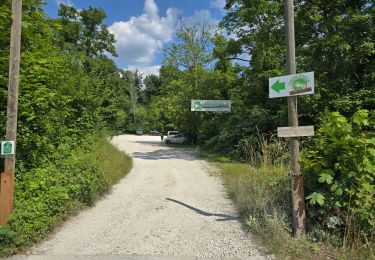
<point x="168" y="205"/>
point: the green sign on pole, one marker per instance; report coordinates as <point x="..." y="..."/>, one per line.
<point x="291" y="85"/>
<point x="211" y="105"/>
<point x="7" y="148"/>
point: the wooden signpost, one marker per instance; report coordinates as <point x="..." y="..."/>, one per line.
<point x="298" y="197"/>
<point x="6" y="196"/>
<point x="7" y="177"/>
<point x="291" y="86"/>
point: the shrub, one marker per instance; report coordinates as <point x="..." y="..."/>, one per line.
<point x="44" y="196"/>
<point x="340" y="172"/>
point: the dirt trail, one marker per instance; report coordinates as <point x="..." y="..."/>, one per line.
<point x="168" y="205"/>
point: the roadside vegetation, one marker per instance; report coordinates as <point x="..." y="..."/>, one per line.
<point x="335" y="40"/>
<point x="71" y="91"/>
<point x="261" y="190"/>
<point x="45" y="196"/>
<point x="71" y="96"/>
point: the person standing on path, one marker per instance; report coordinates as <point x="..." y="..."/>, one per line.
<point x="161" y="137"/>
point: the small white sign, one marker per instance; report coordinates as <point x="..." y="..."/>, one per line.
<point x="211" y="105"/>
<point x="7" y="148"/>
<point x="295" y="131"/>
<point x="291" y="85"/>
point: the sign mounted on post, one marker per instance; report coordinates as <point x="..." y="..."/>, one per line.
<point x="7" y="148"/>
<point x="295" y="131"/>
<point x="291" y="85"/>
<point x="211" y="105"/>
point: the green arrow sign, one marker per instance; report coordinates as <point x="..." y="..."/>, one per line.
<point x="291" y="85"/>
<point x="277" y="86"/>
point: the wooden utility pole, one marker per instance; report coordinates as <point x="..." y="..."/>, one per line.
<point x="7" y="177"/>
<point x="297" y="178"/>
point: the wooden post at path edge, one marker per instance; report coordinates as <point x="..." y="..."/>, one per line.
<point x="7" y="177"/>
<point x="298" y="202"/>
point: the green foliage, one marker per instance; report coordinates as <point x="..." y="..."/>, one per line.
<point x="46" y="195"/>
<point x="84" y="31"/>
<point x="152" y="87"/>
<point x="64" y="94"/>
<point x="69" y="91"/>
<point x="340" y="172"/>
<point x="316" y="197"/>
<point x="262" y="196"/>
<point x="335" y="40"/>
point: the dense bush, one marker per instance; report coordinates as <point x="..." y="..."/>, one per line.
<point x="46" y="195"/>
<point x="69" y="91"/>
<point x="261" y="191"/>
<point x="340" y="173"/>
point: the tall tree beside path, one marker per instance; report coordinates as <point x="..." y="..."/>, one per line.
<point x="86" y="31"/>
<point x="334" y="39"/>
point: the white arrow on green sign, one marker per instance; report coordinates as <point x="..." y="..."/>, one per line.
<point x="211" y="105"/>
<point x="291" y="85"/>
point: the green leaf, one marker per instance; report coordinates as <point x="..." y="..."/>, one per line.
<point x="325" y="178"/>
<point x="316" y="197"/>
<point x="361" y="118"/>
<point x="339" y="191"/>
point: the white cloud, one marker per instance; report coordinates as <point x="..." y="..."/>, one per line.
<point x="141" y="38"/>
<point x="201" y="16"/>
<point x="65" y="2"/>
<point x="146" y="70"/>
<point x="219" y="4"/>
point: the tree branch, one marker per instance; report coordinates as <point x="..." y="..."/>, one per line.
<point x="236" y="58"/>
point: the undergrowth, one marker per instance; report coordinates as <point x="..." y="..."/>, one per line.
<point x="59" y="189"/>
<point x="261" y="190"/>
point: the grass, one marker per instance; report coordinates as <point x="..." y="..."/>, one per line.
<point x="46" y="196"/>
<point x="262" y="197"/>
<point x="261" y="190"/>
<point x="113" y="163"/>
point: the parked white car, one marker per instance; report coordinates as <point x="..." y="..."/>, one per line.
<point x="170" y="133"/>
<point x="175" y="139"/>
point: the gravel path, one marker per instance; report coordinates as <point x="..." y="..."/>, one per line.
<point x="168" y="205"/>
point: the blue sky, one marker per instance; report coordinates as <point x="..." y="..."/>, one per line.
<point x="143" y="27"/>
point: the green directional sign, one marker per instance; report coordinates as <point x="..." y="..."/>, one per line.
<point x="7" y="148"/>
<point x="211" y="105"/>
<point x="277" y="86"/>
<point x="291" y="85"/>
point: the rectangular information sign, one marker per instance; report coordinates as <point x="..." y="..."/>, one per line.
<point x="291" y="85"/>
<point x="296" y="131"/>
<point x="211" y="105"/>
<point x="7" y="148"/>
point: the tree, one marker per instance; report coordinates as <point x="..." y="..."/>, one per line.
<point x="152" y="85"/>
<point x="70" y="24"/>
<point x="133" y="80"/>
<point x="334" y="39"/>
<point x="96" y="38"/>
<point x="85" y="30"/>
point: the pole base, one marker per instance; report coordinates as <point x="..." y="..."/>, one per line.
<point x="6" y="197"/>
